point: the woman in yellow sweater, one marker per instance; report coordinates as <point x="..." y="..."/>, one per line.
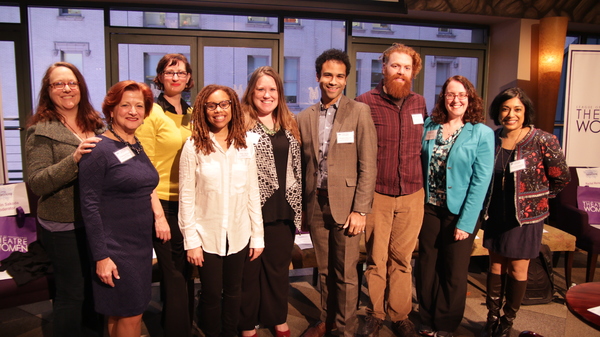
<point x="163" y="134"/>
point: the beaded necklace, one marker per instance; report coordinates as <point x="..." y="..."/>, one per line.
<point x="269" y="131"/>
<point x="134" y="149"/>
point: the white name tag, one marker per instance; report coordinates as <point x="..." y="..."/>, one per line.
<point x="431" y="134"/>
<point x="417" y="119"/>
<point x="517" y="165"/>
<point x="345" y="137"/>
<point x="244" y="153"/>
<point x="124" y="154"/>
<point x="252" y="137"/>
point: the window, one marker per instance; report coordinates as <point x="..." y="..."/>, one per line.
<point x="10" y="14"/>
<point x="256" y="61"/>
<point x="152" y="19"/>
<point x="189" y="20"/>
<point x="416" y="32"/>
<point x="380" y="27"/>
<point x="72" y="52"/>
<point x="445" y="33"/>
<point x="258" y="19"/>
<point x="69" y="12"/>
<point x="291" y="21"/>
<point x="376" y="74"/>
<point x="75" y="58"/>
<point x="290" y="79"/>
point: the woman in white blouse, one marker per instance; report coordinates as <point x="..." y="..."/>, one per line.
<point x="219" y="206"/>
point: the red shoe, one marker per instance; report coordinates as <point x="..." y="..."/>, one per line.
<point x="285" y="333"/>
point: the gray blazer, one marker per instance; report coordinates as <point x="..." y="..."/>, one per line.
<point x="352" y="167"/>
<point x="52" y="171"/>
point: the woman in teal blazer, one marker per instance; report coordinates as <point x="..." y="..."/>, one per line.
<point x="457" y="158"/>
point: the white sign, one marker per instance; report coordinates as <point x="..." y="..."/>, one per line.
<point x="581" y="134"/>
<point x="11" y="197"/>
<point x="589" y="176"/>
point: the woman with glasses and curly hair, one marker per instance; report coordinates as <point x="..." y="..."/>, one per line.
<point x="219" y="206"/>
<point x="457" y="157"/>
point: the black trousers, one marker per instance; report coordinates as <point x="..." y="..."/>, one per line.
<point x="73" y="305"/>
<point x="266" y="283"/>
<point x="442" y="268"/>
<point x="221" y="296"/>
<point x="175" y="277"/>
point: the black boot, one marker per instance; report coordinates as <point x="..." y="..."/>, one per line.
<point x="493" y="301"/>
<point x="515" y="290"/>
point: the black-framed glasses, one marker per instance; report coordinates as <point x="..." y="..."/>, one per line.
<point x="61" y="85"/>
<point x="461" y="96"/>
<point x="170" y="74"/>
<point x="211" y="106"/>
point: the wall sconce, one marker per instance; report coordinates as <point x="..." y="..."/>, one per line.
<point x="552" y="35"/>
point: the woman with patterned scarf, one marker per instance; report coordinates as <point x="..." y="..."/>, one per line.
<point x="275" y="135"/>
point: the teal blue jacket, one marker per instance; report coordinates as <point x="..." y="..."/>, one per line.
<point x="469" y="168"/>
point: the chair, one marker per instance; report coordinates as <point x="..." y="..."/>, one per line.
<point x="565" y="215"/>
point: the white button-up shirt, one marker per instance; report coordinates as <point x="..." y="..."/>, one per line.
<point x="219" y="199"/>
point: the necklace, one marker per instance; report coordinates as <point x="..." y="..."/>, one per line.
<point x="134" y="149"/>
<point x="269" y="131"/>
<point x="84" y="134"/>
<point x="512" y="150"/>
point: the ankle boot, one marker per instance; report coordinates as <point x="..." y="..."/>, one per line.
<point x="515" y="290"/>
<point x="493" y="302"/>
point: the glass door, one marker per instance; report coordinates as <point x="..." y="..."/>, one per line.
<point x="438" y="63"/>
<point x="224" y="60"/>
<point x="231" y="61"/>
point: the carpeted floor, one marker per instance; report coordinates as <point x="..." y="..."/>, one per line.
<point x="549" y="320"/>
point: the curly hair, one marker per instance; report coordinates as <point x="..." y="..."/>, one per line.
<point x="510" y="93"/>
<point x="171" y="60"/>
<point x="115" y="94"/>
<point x="332" y="55"/>
<point x="282" y="115"/>
<point x="87" y="118"/>
<point x="201" y="129"/>
<point x="400" y="48"/>
<point x="474" y="113"/>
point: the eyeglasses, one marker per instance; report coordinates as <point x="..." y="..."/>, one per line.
<point x="461" y="96"/>
<point x="61" y="85"/>
<point x="169" y="74"/>
<point x="211" y="106"/>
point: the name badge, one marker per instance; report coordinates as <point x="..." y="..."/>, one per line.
<point x="431" y="134"/>
<point x="252" y="137"/>
<point x="517" y="165"/>
<point x="417" y="119"/>
<point x="345" y="137"/>
<point x="124" y="154"/>
<point x="244" y="153"/>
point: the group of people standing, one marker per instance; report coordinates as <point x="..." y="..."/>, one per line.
<point x="227" y="183"/>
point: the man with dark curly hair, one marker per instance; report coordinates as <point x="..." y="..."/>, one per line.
<point x="339" y="147"/>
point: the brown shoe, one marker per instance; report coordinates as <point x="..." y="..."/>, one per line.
<point x="317" y="330"/>
<point x="404" y="328"/>
<point x="370" y="328"/>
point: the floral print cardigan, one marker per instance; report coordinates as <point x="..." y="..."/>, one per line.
<point x="546" y="173"/>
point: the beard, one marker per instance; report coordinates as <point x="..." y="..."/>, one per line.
<point x="395" y="89"/>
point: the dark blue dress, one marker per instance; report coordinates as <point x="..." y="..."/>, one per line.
<point x="117" y="211"/>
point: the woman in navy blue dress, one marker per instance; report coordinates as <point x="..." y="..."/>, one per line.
<point x="116" y="183"/>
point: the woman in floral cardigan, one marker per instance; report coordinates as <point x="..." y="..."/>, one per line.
<point x="529" y="169"/>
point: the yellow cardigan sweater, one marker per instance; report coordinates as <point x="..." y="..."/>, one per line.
<point x="163" y="135"/>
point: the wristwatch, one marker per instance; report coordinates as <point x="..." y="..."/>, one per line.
<point x="362" y="213"/>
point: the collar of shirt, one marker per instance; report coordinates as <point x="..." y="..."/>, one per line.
<point x="166" y="106"/>
<point x="334" y="105"/>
